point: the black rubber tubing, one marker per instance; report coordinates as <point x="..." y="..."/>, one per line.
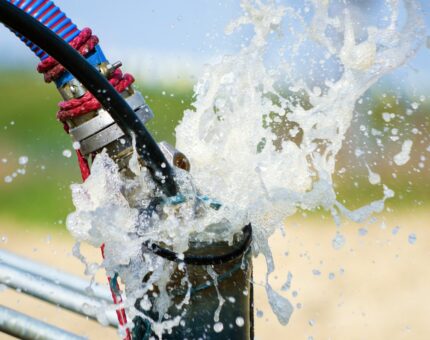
<point x="19" y="21"/>
<point x="205" y="260"/>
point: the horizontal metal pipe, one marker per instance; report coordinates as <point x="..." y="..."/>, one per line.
<point x="48" y="291"/>
<point x="61" y="278"/>
<point x="24" y="327"/>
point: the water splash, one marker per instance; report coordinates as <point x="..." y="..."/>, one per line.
<point x="265" y="153"/>
<point x="262" y="139"/>
<point x="404" y="155"/>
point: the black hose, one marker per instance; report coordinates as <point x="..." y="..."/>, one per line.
<point x="205" y="260"/>
<point x="19" y="21"/>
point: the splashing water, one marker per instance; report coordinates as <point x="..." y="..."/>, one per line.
<point x="403" y="156"/>
<point x="260" y="139"/>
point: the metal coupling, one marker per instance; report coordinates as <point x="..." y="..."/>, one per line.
<point x="107" y="69"/>
<point x="174" y="156"/>
<point x="101" y="130"/>
<point x="72" y="89"/>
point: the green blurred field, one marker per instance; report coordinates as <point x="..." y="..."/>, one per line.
<point x="28" y="127"/>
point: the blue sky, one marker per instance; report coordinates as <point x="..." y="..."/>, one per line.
<point x="163" y="36"/>
<point x="162" y="27"/>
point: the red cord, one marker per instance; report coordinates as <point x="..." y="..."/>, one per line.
<point x="79" y="106"/>
<point x="85" y="43"/>
<point x="50" y="63"/>
<point x="83" y="165"/>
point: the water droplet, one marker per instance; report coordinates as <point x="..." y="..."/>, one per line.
<point x="362" y="231"/>
<point x="358" y="152"/>
<point x="311" y="322"/>
<point x="404" y="155"/>
<point x="23" y="160"/>
<point x="373" y="177"/>
<point x="240" y="321"/>
<point x="67" y="153"/>
<point x="412" y="238"/>
<point x="287" y="285"/>
<point x="331" y="276"/>
<point x="259" y="313"/>
<point x="76" y="145"/>
<point x="395" y="230"/>
<point x="338" y="241"/>
<point x="218" y="327"/>
<point x="231" y="299"/>
<point x="386" y="116"/>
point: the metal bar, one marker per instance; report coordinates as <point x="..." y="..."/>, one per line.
<point x="24" y="327"/>
<point x="51" y="292"/>
<point x="61" y="278"/>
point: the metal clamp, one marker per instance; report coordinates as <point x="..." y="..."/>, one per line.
<point x="91" y="127"/>
<point x="138" y="104"/>
<point x="101" y="139"/>
<point x="102" y="130"/>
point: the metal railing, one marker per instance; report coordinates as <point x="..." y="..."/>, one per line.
<point x="25" y="327"/>
<point x="56" y="287"/>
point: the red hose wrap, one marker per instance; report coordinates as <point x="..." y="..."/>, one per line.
<point x="84" y="43"/>
<point x="87" y="103"/>
<point x="76" y="43"/>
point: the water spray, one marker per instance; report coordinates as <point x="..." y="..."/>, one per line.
<point x="102" y="111"/>
<point x="261" y="143"/>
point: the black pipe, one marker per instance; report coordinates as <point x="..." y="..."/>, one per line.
<point x="100" y="88"/>
<point x="205" y="260"/>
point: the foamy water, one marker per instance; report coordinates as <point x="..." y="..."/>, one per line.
<point x="262" y="139"/>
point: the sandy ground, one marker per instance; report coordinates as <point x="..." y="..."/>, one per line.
<point x="374" y="287"/>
